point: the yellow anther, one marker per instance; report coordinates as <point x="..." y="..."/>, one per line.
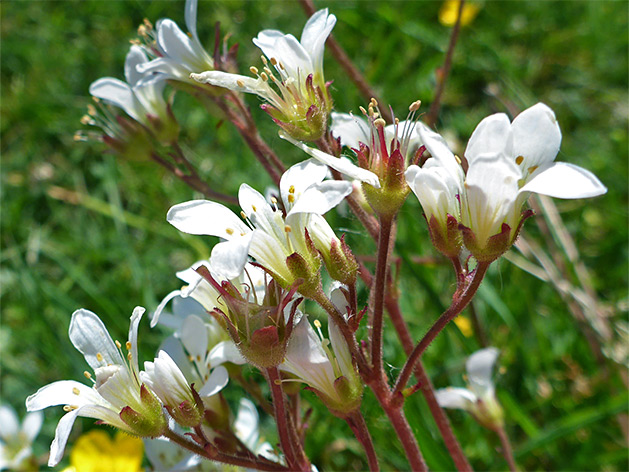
<point x="317" y="324"/>
<point x="268" y="71"/>
<point x="264" y="60"/>
<point x="277" y="382"/>
<point x="458" y="159"/>
<point x="532" y="169"/>
<point x="240" y="83"/>
<point x="147" y="23"/>
<point x="78" y="136"/>
<point x="264" y="76"/>
<point x="99" y="357"/>
<point x="274" y="200"/>
<point x="118" y="345"/>
<point x="86" y="120"/>
<point x="254" y="208"/>
<point x="91" y="110"/>
<point x="142" y="30"/>
<point x="253" y="70"/>
<point x="519" y="159"/>
<point x="373" y="102"/>
<point x="198" y="358"/>
<point x="229" y="231"/>
<point x="379" y="122"/>
<point x="87" y="375"/>
<point x="96" y="99"/>
<point x="135" y="42"/>
<point x="291" y="198"/>
<point x="129" y="356"/>
<point x="362" y="110"/>
<point x="397" y="121"/>
<point x="191" y="359"/>
<point x="291" y="189"/>
<point x="282" y="66"/>
<point x="243" y="215"/>
<point x="128" y="345"/>
<point x="287" y="229"/>
<point x="76" y="391"/>
<point x="68" y="408"/>
<point x="415" y="105"/>
<point x="273" y="61"/>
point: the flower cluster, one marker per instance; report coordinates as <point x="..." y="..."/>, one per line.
<point x="254" y="303"/>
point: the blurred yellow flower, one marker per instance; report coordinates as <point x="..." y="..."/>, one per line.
<point x="464" y="324"/>
<point x="450" y="9"/>
<point x="96" y="451"/>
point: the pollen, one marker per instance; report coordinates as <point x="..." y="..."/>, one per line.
<point x="291" y="189"/>
<point x="240" y="83"/>
<point x="229" y="231"/>
<point x="99" y="357"/>
<point x="415" y="105"/>
<point x="519" y="159"/>
<point x="76" y="391"/>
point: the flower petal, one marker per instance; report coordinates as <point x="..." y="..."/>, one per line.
<point x="206" y="217"/>
<point x="246" y="424"/>
<point x="194" y="338"/>
<point x="536" y="136"/>
<point x="492" y="135"/>
<point x="63" y="392"/>
<point x="89" y="335"/>
<point x="285" y="49"/>
<point x="315" y="33"/>
<point x="436" y="145"/>
<point x="32" y="424"/>
<point x="236" y="82"/>
<point x="135" y="56"/>
<point x="62" y="432"/>
<point x="118" y="94"/>
<point x="479" y="368"/>
<point x="351" y="129"/>
<point x="229" y="258"/>
<point x="217" y="381"/>
<point x="191" y="17"/>
<point x="320" y="198"/>
<point x="226" y="351"/>
<point x="452" y="397"/>
<point x="136" y="316"/>
<point x="299" y="177"/>
<point x="564" y="180"/>
<point x="9" y="421"/>
<point x="344" y="166"/>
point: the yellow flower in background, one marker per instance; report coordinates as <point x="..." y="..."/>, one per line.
<point x="465" y="325"/>
<point x="450" y="9"/>
<point x="97" y="451"/>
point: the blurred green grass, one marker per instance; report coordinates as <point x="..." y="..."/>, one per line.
<point x="112" y="249"/>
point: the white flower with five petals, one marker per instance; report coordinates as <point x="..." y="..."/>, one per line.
<point x="117" y="398"/>
<point x="16" y="440"/>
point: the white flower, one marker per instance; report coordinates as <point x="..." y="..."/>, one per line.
<point x="329" y="372"/>
<point x="479" y="399"/>
<point x="117" y="397"/>
<point x="16" y="440"/>
<point x="138" y="100"/>
<point x="271" y="235"/>
<point x="302" y="105"/>
<point x="178" y="54"/>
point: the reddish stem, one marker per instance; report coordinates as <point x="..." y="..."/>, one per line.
<point x="356" y="421"/>
<point x="507" y="450"/>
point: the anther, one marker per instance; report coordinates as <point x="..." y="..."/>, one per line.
<point x="254" y="208"/>
<point x="87" y="375"/>
<point x="229" y="231"/>
<point x="363" y="111"/>
<point x="458" y="159"/>
<point x="91" y="110"/>
<point x="291" y="189"/>
<point x="287" y="229"/>
<point x="274" y="200"/>
<point x="76" y="391"/>
<point x="264" y="60"/>
<point x="128" y="345"/>
<point x="415" y="105"/>
<point x="273" y="61"/>
<point x="379" y="122"/>
<point x="99" y="357"/>
<point x="532" y="169"/>
<point x="519" y="159"/>
<point x="264" y="76"/>
<point x="317" y="324"/>
<point x="240" y="83"/>
<point x="86" y="120"/>
<point x="129" y="356"/>
<point x="147" y="23"/>
<point x="291" y="198"/>
<point x="118" y="345"/>
<point x="373" y="102"/>
<point x="253" y="70"/>
<point x="142" y="30"/>
<point x="68" y="408"/>
<point x="198" y="358"/>
<point x="282" y="66"/>
<point x="243" y="215"/>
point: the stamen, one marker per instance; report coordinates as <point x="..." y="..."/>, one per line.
<point x="458" y="160"/>
<point x="99" y="357"/>
<point x="287" y="229"/>
<point x="76" y="391"/>
<point x="264" y="60"/>
<point x="273" y="61"/>
<point x="243" y="215"/>
<point x="415" y="106"/>
<point x="519" y="159"/>
<point x="291" y="198"/>
<point x="532" y="169"/>
<point x="282" y="66"/>
<point x="128" y="345"/>
<point x="91" y="110"/>
<point x="129" y="356"/>
<point x="240" y="83"/>
<point x="264" y="76"/>
<point x="363" y="111"/>
<point x="229" y="231"/>
<point x="379" y="122"/>
<point x="254" y="70"/>
<point x="118" y="345"/>
<point x="254" y="208"/>
<point x="87" y="375"/>
<point x="68" y="408"/>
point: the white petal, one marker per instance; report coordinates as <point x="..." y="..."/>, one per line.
<point x="135" y="56"/>
<point x="61" y="393"/>
<point x="564" y="180"/>
<point x="314" y="35"/>
<point x="344" y="166"/>
<point x="32" y="424"/>
<point x="479" y="368"/>
<point x="117" y="93"/>
<point x="217" y="381"/>
<point x="226" y="351"/>
<point x="287" y="50"/>
<point x="236" y="82"/>
<point x="299" y="177"/>
<point x="194" y="338"/>
<point x="174" y="42"/>
<point x="61" y="437"/>
<point x="436" y="145"/>
<point x="341" y="350"/>
<point x="9" y="421"/>
<point x="452" y="397"/>
<point x="191" y="17"/>
<point x="246" y="424"/>
<point x="162" y="65"/>
<point x="89" y="335"/>
<point x="338" y="298"/>
<point x="136" y="316"/>
<point x="206" y="217"/>
<point x="492" y="135"/>
<point x="162" y="305"/>
<point x="228" y="258"/>
<point x="351" y="129"/>
<point x="536" y="136"/>
<point x="174" y="348"/>
<point x="320" y="198"/>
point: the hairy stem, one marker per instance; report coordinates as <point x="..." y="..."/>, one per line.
<point x="356" y="421"/>
<point x="507" y="450"/>
<point x="458" y="304"/>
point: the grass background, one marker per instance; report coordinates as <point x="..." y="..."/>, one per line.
<point x="81" y="228"/>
